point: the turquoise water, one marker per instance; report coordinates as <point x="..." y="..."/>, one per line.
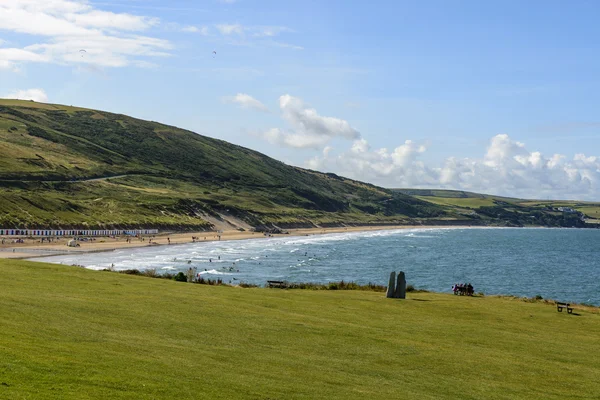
<point x="561" y="264"/>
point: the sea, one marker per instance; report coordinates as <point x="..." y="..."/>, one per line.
<point x="559" y="264"/>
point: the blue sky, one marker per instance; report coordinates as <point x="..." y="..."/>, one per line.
<point x="491" y="96"/>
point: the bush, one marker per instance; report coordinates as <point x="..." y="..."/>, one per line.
<point x="247" y="285"/>
<point x="539" y="297"/>
<point x="410" y="288"/>
<point x="180" y="277"/>
<point x="131" y="272"/>
<point x="151" y="273"/>
<point x="203" y="281"/>
<point x="342" y="285"/>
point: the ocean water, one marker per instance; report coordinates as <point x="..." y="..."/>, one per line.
<point x="561" y="264"/>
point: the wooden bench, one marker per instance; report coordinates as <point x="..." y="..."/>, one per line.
<point x="560" y="306"/>
<point x="276" y="284"/>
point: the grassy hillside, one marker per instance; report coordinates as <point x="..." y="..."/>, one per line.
<point x="69" y="167"/>
<point x="70" y="333"/>
<point x="73" y="167"/>
<point x="491" y="209"/>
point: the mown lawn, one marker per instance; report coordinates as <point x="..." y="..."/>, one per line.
<point x="70" y="333"/>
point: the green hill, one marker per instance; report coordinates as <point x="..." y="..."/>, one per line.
<point x="491" y="209"/>
<point x="69" y="167"/>
<point x="71" y="333"/>
<point x="73" y="167"/>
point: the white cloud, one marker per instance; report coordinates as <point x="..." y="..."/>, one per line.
<point x="507" y="167"/>
<point x="110" y="20"/>
<point x="246" y="35"/>
<point x="230" y="29"/>
<point x="29" y="94"/>
<point x="63" y="27"/>
<point x="275" y="43"/>
<point x="308" y="128"/>
<point x="203" y="30"/>
<point x="297" y="140"/>
<point x="269" y="31"/>
<point x="246" y="101"/>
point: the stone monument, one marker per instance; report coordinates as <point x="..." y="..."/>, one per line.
<point x="396" y="287"/>
<point x="391" y="289"/>
<point x="400" y="292"/>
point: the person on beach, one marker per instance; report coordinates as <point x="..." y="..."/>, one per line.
<point x="169" y="240"/>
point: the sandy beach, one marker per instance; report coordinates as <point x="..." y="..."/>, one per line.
<point x="35" y="248"/>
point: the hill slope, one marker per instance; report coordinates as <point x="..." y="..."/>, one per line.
<point x="69" y="167"/>
<point x="72" y="167"/>
<point x="512" y="211"/>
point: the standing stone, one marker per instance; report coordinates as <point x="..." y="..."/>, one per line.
<point x="391" y="289"/>
<point x="400" y="292"/>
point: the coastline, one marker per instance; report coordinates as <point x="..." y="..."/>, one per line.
<point x="33" y="251"/>
<point x="33" y="248"/>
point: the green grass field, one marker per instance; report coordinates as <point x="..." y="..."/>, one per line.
<point x="70" y="333"/>
<point x="470" y="202"/>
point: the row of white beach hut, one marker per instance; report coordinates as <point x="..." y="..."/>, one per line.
<point x="76" y="232"/>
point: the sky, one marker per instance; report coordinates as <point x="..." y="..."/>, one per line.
<point x="498" y="97"/>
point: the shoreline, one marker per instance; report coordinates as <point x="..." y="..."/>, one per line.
<point x="32" y="248"/>
<point x="33" y="251"/>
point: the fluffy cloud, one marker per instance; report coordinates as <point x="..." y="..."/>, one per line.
<point x="308" y="128"/>
<point x="256" y="31"/>
<point x="246" y="101"/>
<point x="63" y="27"/>
<point x="203" y="30"/>
<point x="230" y="29"/>
<point x="297" y="140"/>
<point x="241" y="35"/>
<point x="306" y="119"/>
<point x="269" y="31"/>
<point x="507" y="167"/>
<point x="29" y="94"/>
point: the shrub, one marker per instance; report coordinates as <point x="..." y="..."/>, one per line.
<point x="180" y="277"/>
<point x="151" y="273"/>
<point x="410" y="288"/>
<point x="131" y="272"/>
<point x="539" y="297"/>
<point x="337" y="286"/>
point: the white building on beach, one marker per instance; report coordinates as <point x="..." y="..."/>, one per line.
<point x="75" y="232"/>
